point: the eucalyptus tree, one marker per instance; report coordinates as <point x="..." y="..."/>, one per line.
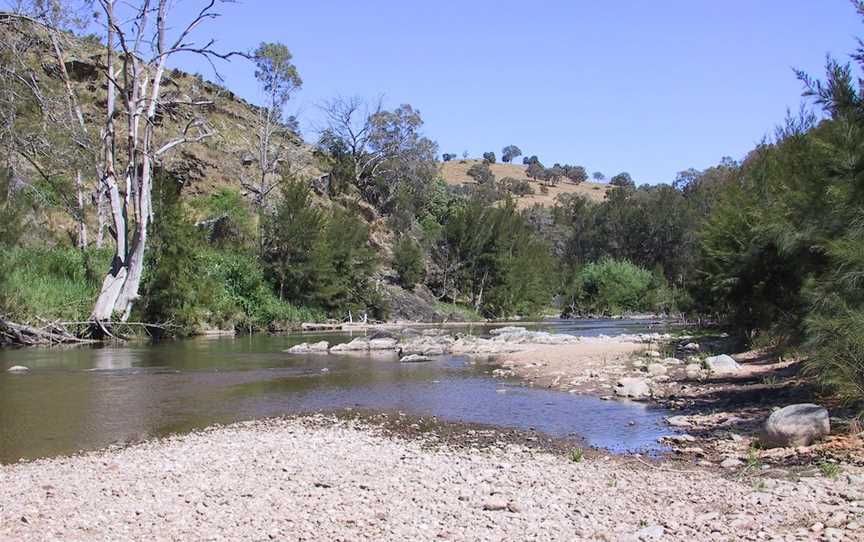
<point x="509" y="153"/>
<point x="139" y="42"/>
<point x="274" y="142"/>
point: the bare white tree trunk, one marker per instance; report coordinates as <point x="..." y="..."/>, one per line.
<point x="139" y="83"/>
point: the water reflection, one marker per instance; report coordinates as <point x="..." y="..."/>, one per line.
<point x="87" y="398"/>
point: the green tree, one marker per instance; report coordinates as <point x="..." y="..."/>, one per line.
<point x="509" y="153"/>
<point x="408" y="262"/>
<point x="622" y="179"/>
<point x="489" y="157"/>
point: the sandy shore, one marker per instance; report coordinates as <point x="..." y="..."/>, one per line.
<point x="322" y="479"/>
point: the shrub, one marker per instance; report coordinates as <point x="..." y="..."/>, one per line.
<point x="615" y="286"/>
<point x="408" y="262"/>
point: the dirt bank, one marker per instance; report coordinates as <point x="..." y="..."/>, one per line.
<point x="323" y="479"/>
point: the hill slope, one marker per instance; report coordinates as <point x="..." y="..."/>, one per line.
<point x="455" y="173"/>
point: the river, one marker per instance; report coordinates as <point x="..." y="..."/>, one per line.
<point x="86" y="398"/>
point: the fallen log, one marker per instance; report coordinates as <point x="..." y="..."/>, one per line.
<point x="12" y="334"/>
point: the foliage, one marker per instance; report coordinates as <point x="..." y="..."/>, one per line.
<point x="492" y="256"/>
<point x="509" y="153"/>
<point x="227" y="218"/>
<point x="622" y="179"/>
<point x="489" y="157"/>
<point x="12" y="212"/>
<point x="517" y="187"/>
<point x="319" y="258"/>
<point x="49" y="283"/>
<point x="408" y="262"/>
<point x="481" y="173"/>
<point x="615" y="287"/>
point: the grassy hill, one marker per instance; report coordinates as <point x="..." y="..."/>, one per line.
<point x="455" y="173"/>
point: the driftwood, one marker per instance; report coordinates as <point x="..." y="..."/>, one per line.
<point x="12" y="334"/>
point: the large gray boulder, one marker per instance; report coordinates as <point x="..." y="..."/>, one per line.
<point x="722" y="365"/>
<point x="632" y="387"/>
<point x="382" y="344"/>
<point x="796" y="425"/>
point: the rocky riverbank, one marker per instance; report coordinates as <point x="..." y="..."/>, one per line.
<point x="319" y="478"/>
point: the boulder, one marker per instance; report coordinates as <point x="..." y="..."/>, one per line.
<point x="657" y="369"/>
<point x="722" y="365"/>
<point x="382" y="344"/>
<point x="309" y="348"/>
<point x="653" y="354"/>
<point x="632" y="387"/>
<point x="796" y="425"/>
<point x="414" y="358"/>
<point x="694" y="371"/>
<point x="672" y="361"/>
<point x="353" y="346"/>
<point x="18" y="369"/>
<point x="692" y="347"/>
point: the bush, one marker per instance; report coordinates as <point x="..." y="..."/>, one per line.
<point x="408" y="262"/>
<point x="614" y="287"/>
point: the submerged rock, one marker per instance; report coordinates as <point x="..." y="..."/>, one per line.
<point x="632" y="387"/>
<point x="722" y="365"/>
<point x="796" y="425"/>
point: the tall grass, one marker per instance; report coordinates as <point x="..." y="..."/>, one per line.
<point x="50" y="283"/>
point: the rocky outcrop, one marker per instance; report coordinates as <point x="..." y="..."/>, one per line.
<point x="796" y="425"/>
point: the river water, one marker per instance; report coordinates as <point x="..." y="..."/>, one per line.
<point x="88" y="398"/>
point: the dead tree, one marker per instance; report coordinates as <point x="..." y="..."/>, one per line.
<point x="138" y="48"/>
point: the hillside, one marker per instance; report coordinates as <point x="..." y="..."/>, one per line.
<point x="455" y="173"/>
<point x="217" y="162"/>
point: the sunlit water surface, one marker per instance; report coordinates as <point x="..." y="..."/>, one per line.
<point x="88" y="398"/>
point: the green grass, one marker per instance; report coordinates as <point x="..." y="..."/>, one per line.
<point x="577" y="455"/>
<point x="50" y="283"/>
<point x="460" y="313"/>
<point x="829" y="469"/>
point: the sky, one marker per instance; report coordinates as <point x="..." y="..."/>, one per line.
<point x="647" y="87"/>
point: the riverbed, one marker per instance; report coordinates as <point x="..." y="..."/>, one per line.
<point x="75" y="399"/>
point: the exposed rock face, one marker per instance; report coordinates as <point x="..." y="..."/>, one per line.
<point x="416" y="306"/>
<point x="633" y="387"/>
<point x="722" y="365"/>
<point x="796" y="425"/>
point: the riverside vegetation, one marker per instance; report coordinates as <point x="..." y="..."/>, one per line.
<point x="234" y="221"/>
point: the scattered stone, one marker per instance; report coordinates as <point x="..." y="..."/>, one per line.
<point x="796" y="425"/>
<point x="731" y="463"/>
<point x="18" y="369"/>
<point x="837" y="519"/>
<point x="722" y="365"/>
<point x="679" y="421"/>
<point x="672" y="361"/>
<point x="694" y="371"/>
<point x="653" y="354"/>
<point x="657" y="369"/>
<point x="632" y="387"/>
<point x="652" y="532"/>
<point x="495" y="504"/>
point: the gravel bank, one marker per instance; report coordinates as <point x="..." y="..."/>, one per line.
<point x="323" y="479"/>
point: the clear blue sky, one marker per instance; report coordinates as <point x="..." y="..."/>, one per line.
<point x="645" y="87"/>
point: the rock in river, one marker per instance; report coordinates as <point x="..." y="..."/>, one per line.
<point x="632" y="387"/>
<point x="722" y="365"/>
<point x="18" y="369"/>
<point x="414" y="358"/>
<point x="796" y="425"/>
<point x="307" y="348"/>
